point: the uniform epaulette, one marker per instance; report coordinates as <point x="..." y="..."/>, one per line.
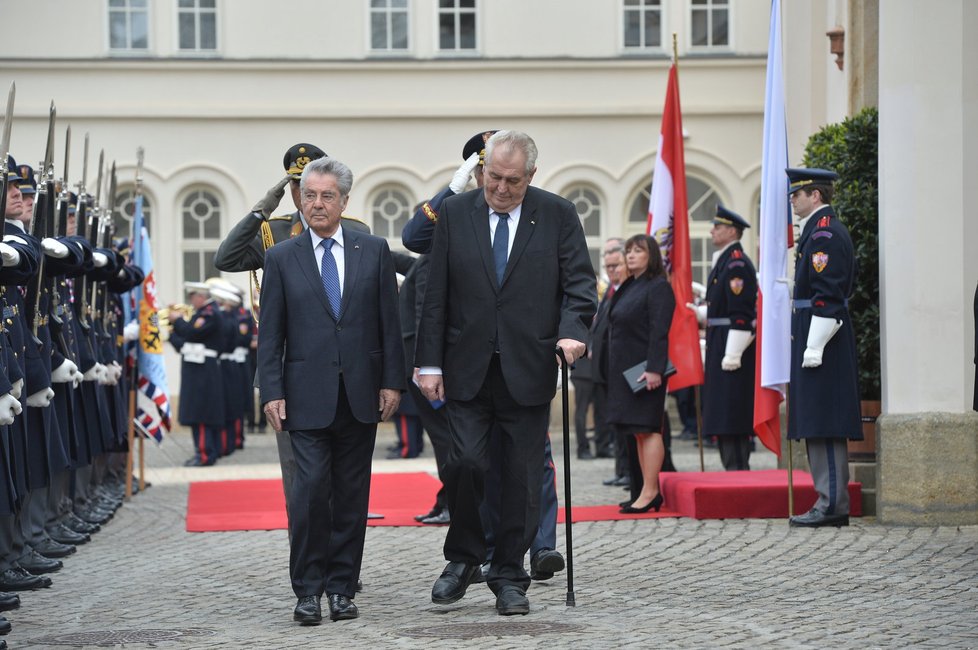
<point x="429" y="212"/>
<point x="824" y="222"/>
<point x="736" y="255"/>
<point x="281" y="217"/>
<point x="353" y="219"/>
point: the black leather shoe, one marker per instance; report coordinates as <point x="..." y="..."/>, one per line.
<point x="431" y="513"/>
<point x="36" y="563"/>
<point x="816" y="519"/>
<point x="482" y="574"/>
<point x="192" y="462"/>
<point x="441" y="519"/>
<point x="77" y="524"/>
<point x="359" y="586"/>
<point x="308" y="611"/>
<point x="50" y="548"/>
<point x="512" y="600"/>
<point x="9" y="601"/>
<point x="93" y="515"/>
<point x="5" y="626"/>
<point x="545" y="563"/>
<point x="454" y="580"/>
<point x="16" y="579"/>
<point x="584" y="454"/>
<point x="341" y="608"/>
<point x="64" y="535"/>
<point x="611" y="481"/>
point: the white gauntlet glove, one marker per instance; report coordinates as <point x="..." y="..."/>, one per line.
<point x="41" y="398"/>
<point x="100" y="259"/>
<point x="18" y="386"/>
<point x="77" y="379"/>
<point x="462" y="175"/>
<point x="820" y="332"/>
<point x="64" y="373"/>
<point x="737" y="342"/>
<point x="699" y="310"/>
<point x="9" y="254"/>
<point x="9" y="409"/>
<point x="54" y="248"/>
<point x="130" y="332"/>
<point x="92" y="374"/>
<point x="112" y="373"/>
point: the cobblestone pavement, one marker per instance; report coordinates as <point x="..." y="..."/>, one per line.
<point x="145" y="582"/>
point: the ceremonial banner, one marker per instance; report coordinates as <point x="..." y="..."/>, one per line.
<point x="773" y="347"/>
<point x="152" y="397"/>
<point x="669" y="224"/>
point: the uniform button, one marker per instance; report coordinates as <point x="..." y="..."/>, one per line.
<point x="339" y="328"/>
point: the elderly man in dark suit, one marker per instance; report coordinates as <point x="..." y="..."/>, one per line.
<point x="330" y="366"/>
<point x="510" y="281"/>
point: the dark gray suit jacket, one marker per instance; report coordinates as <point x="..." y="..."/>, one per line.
<point x="548" y="293"/>
<point x="302" y="348"/>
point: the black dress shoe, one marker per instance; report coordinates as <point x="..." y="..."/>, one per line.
<point x="9" y="601"/>
<point x="192" y="462"/>
<point x="308" y="611"/>
<point x="64" y="535"/>
<point x="77" y="524"/>
<point x="441" y="519"/>
<point x="5" y="626"/>
<point x="630" y="509"/>
<point x="50" y="548"/>
<point x="482" y="574"/>
<point x="341" y="608"/>
<point x="611" y="481"/>
<point x="512" y="600"/>
<point x="16" y="579"/>
<point x="816" y="519"/>
<point x="359" y="586"/>
<point x="92" y="515"/>
<point x="584" y="454"/>
<point x="454" y="580"/>
<point x="431" y="513"/>
<point x="36" y="563"/>
<point x="545" y="563"/>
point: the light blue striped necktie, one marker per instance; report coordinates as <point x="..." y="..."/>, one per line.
<point x="331" y="276"/>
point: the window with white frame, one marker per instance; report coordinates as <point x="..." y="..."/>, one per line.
<point x="197" y="25"/>
<point x="125" y="212"/>
<point x="456" y="25"/>
<point x="589" y="209"/>
<point x="642" y="24"/>
<point x="390" y="209"/>
<point x="709" y="22"/>
<point x="702" y="200"/>
<point x="200" y="212"/>
<point x="389" y="25"/>
<point x="128" y="25"/>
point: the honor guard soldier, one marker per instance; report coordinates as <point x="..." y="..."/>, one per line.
<point x="730" y="315"/>
<point x="823" y="405"/>
<point x="244" y="250"/>
<point x="201" y="385"/>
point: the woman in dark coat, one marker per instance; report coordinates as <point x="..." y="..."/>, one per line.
<point x="638" y="330"/>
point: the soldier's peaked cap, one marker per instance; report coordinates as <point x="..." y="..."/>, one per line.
<point x="801" y="177"/>
<point x="300" y="155"/>
<point x="477" y="144"/>
<point x="730" y="218"/>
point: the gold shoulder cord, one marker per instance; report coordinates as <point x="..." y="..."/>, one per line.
<point x="267" y="241"/>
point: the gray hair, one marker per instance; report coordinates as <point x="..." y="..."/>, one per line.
<point x="329" y="166"/>
<point x="514" y="140"/>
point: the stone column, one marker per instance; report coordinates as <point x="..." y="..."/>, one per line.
<point x="928" y="98"/>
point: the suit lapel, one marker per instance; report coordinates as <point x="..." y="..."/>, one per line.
<point x="523" y="232"/>
<point x="352" y="256"/>
<point x="480" y="226"/>
<point x="306" y="261"/>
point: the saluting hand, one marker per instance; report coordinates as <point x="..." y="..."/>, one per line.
<point x="275" y="413"/>
<point x="390" y="399"/>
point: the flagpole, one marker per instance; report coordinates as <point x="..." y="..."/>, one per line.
<point x="699" y="425"/>
<point x="134" y="371"/>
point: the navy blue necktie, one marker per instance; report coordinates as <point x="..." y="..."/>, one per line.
<point x="331" y="276"/>
<point x="500" y="246"/>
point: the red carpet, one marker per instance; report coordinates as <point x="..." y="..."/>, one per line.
<point x="260" y="504"/>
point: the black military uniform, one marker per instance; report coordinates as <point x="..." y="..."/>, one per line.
<point x="728" y="392"/>
<point x="823" y="396"/>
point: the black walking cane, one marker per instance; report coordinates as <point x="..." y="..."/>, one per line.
<point x="567" y="480"/>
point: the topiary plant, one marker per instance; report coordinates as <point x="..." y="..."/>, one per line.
<point x="850" y="149"/>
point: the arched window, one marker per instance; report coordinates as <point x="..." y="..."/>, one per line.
<point x="589" y="209"/>
<point x="200" y="216"/>
<point x="390" y="209"/>
<point x="125" y="202"/>
<point x="702" y="199"/>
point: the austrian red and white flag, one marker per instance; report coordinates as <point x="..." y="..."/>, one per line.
<point x="773" y="347"/>
<point x="669" y="224"/>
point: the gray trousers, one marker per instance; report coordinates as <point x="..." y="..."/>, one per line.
<point x="33" y="516"/>
<point x="734" y="452"/>
<point x="829" y="462"/>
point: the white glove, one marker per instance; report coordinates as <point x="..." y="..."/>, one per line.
<point x="820" y="332"/>
<point x="699" y="310"/>
<point x="9" y="409"/>
<point x="18" y="386"/>
<point x="737" y="342"/>
<point x="41" y="398"/>
<point x="462" y="175"/>
<point x="130" y="332"/>
<point x="54" y="248"/>
<point x="92" y="373"/>
<point x="10" y="255"/>
<point x="112" y="373"/>
<point x="64" y="373"/>
<point x="100" y="259"/>
<point x="77" y="379"/>
<point x="103" y="373"/>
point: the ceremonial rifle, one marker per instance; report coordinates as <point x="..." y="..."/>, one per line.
<point x="42" y="221"/>
<point x="85" y="228"/>
<point x="61" y="223"/>
<point x="5" y="148"/>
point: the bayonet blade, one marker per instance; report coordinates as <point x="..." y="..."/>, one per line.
<point x="7" y="123"/>
<point x="84" y="176"/>
<point x="47" y="165"/>
<point x="64" y="179"/>
<point x="98" y="183"/>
